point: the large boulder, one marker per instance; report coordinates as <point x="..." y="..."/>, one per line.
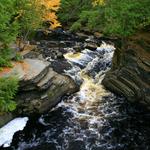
<point x="41" y="88"/>
<point x="130" y="72"/>
<point x="46" y="94"/>
<point x="27" y="71"/>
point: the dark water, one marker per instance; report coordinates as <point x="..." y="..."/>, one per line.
<point x="128" y="129"/>
<point x="92" y="119"/>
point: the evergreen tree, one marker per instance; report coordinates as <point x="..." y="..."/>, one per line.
<point x="114" y="17"/>
<point x="8" y="89"/>
<point x="8" y="29"/>
<point x="125" y="17"/>
<point x="70" y="10"/>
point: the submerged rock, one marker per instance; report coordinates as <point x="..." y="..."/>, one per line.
<point x="130" y="73"/>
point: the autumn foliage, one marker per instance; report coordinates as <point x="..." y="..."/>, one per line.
<point x="41" y="10"/>
<point x="98" y="2"/>
<point x="20" y="19"/>
<point x="51" y="7"/>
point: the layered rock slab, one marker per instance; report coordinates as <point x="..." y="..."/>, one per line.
<point x="46" y="95"/>
<point x="40" y="89"/>
<point x="28" y="71"/>
<point x="130" y="72"/>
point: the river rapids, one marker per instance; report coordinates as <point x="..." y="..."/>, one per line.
<point x="91" y="119"/>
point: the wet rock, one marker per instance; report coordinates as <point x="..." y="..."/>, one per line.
<point x="58" y="34"/>
<point x="53" y="53"/>
<point x="59" y="55"/>
<point x="82" y="35"/>
<point x="52" y="44"/>
<point x="5" y="118"/>
<point x="78" y="144"/>
<point x="47" y="80"/>
<point x="60" y="65"/>
<point x="45" y="146"/>
<point x="32" y="102"/>
<point x="130" y="71"/>
<point x="41" y="88"/>
<point x="78" y="47"/>
<point x="90" y="45"/>
<point x="98" y="34"/>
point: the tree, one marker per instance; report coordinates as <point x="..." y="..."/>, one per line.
<point x="49" y="14"/>
<point x="8" y="30"/>
<point x="70" y="10"/>
<point x="125" y="17"/>
<point x="98" y="2"/>
<point x="41" y="10"/>
<point x="114" y="17"/>
<point x="19" y="18"/>
<point x="8" y="89"/>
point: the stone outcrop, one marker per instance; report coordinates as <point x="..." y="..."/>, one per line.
<point x="40" y="87"/>
<point x="4" y="118"/>
<point x="130" y="72"/>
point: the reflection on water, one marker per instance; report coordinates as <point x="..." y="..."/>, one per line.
<point x="91" y="119"/>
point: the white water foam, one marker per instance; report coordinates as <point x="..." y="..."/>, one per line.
<point x="7" y="131"/>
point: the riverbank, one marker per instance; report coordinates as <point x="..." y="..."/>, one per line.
<point x="130" y="72"/>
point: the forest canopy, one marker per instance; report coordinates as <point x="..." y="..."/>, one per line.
<point x="113" y="17"/>
<point x="20" y="19"/>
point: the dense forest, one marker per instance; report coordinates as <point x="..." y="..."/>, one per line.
<point x="119" y="18"/>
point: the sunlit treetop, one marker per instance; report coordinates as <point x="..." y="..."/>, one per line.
<point x="98" y="2"/>
<point x="44" y="9"/>
<point x="51" y="7"/>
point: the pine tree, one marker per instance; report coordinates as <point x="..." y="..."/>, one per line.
<point x="8" y="30"/>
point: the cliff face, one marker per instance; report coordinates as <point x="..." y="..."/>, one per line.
<point x="130" y="72"/>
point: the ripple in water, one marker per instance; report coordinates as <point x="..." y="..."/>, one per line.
<point x="91" y="119"/>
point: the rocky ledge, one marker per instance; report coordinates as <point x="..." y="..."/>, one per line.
<point x="40" y="87"/>
<point x="130" y="72"/>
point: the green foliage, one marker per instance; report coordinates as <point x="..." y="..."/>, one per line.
<point x="115" y="17"/>
<point x="5" y="57"/>
<point x="8" y="30"/>
<point x="76" y="26"/>
<point x="124" y="17"/>
<point x="18" y="57"/>
<point x="8" y="27"/>
<point x="70" y="10"/>
<point x="17" y="18"/>
<point x="29" y="17"/>
<point x="89" y="19"/>
<point x="8" y="89"/>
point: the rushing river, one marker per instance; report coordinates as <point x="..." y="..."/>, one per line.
<point x="91" y="119"/>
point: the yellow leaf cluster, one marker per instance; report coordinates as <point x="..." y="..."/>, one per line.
<point x="51" y="4"/>
<point x="50" y="9"/>
<point x="46" y="11"/>
<point x="98" y="2"/>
